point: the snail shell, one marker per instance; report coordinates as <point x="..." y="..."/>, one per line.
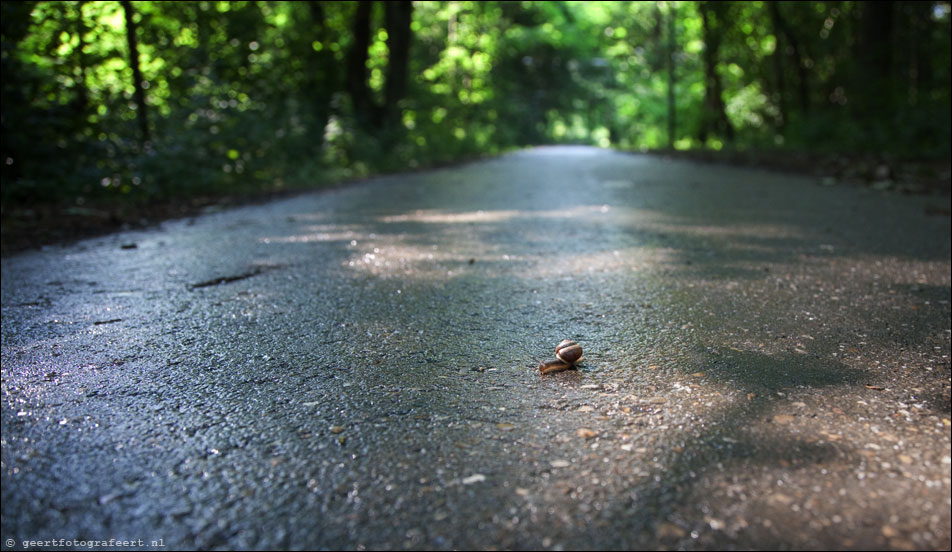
<point x="569" y="352"/>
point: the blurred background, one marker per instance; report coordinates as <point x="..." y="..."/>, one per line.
<point x="120" y="112"/>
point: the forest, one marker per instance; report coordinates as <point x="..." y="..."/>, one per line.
<point x="148" y="101"/>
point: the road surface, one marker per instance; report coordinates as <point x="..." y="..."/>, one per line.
<point x="767" y="366"/>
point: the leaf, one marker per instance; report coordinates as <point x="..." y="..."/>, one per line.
<point x="875" y="387"/>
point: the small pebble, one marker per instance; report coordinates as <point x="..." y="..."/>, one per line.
<point x="475" y="478"/>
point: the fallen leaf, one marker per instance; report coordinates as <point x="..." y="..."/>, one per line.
<point x="337" y="429"/>
<point x="784" y="418"/>
<point x="697" y="374"/>
<point x="905" y="459"/>
<point x="874" y="387"/>
<point x="505" y="426"/>
<point x="586" y="408"/>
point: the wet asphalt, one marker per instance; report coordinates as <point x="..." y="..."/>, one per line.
<point x="767" y="366"/>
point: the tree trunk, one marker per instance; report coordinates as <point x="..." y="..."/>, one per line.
<point x="714" y="117"/>
<point x="356" y="78"/>
<point x="322" y="75"/>
<point x="139" y="92"/>
<point x="916" y="49"/>
<point x="672" y="122"/>
<point x="781" y="81"/>
<point x="14" y="27"/>
<point x="397" y="16"/>
<point x="780" y="25"/>
<point x="82" y="93"/>
<point x="874" y="54"/>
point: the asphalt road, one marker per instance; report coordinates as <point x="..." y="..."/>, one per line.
<point x="767" y="366"/>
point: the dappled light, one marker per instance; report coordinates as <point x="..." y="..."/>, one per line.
<point x="439" y="244"/>
<point x="740" y="328"/>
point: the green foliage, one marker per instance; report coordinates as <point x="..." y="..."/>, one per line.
<point x="247" y="96"/>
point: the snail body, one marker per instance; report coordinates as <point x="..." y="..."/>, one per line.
<point x="567" y="356"/>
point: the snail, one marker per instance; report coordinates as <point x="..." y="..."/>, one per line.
<point x="567" y="356"/>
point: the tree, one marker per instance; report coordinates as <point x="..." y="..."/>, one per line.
<point x="250" y="96"/>
<point x="137" y="80"/>
<point x="357" y="72"/>
<point x="672" y="108"/>
<point x="372" y="115"/>
<point x="714" y="117"/>
<point x="786" y="36"/>
<point x="397" y="17"/>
